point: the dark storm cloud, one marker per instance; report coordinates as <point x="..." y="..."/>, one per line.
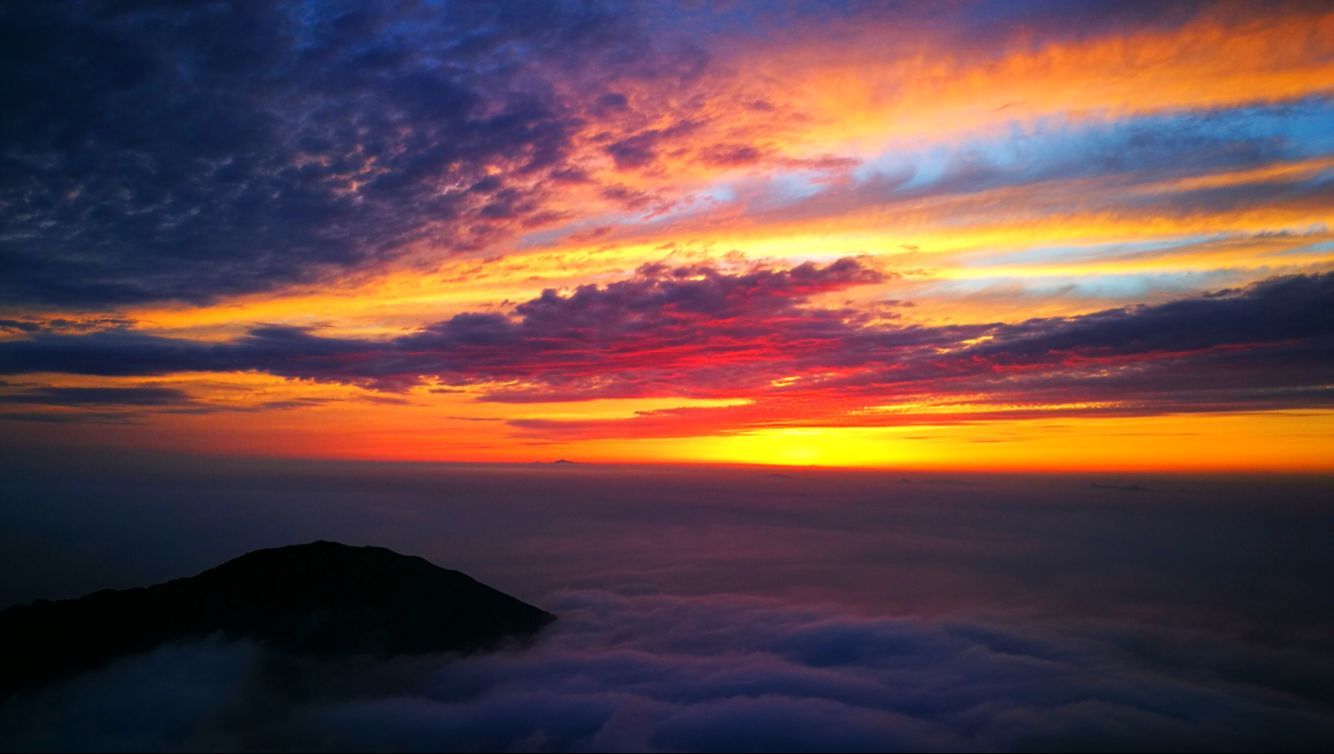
<point x="179" y="151"/>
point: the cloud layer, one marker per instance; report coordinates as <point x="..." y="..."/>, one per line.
<point x="694" y="331"/>
<point x="715" y="608"/>
<point x="154" y="152"/>
<point x="714" y="674"/>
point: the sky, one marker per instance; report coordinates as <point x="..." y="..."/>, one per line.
<point x="958" y="235"/>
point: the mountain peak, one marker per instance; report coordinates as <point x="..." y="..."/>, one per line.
<point x="322" y="599"/>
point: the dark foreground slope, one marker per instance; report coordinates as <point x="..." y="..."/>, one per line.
<point x="321" y="599"/>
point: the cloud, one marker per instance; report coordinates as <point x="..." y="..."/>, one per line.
<point x="64" y="324"/>
<point x="717" y="673"/>
<point x="712" y="607"/>
<point x="159" y="152"/>
<point x="75" y="417"/>
<point x="1056" y="167"/>
<point x="628" y="332"/>
<point x="641" y="149"/>
<point x="100" y="396"/>
<point x="1268" y="346"/>
<point x="696" y="331"/>
<point x="134" y="404"/>
<point x="97" y="405"/>
<point x="169" y="152"/>
<point x="18" y="325"/>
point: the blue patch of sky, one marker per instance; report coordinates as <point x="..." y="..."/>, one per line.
<point x="1112" y="287"/>
<point x="1320" y="247"/>
<point x="1085" y="252"/>
<point x="1148" y="148"/>
<point x="552" y="236"/>
<point x="719" y="193"/>
<point x="788" y="187"/>
<point x="1152" y="146"/>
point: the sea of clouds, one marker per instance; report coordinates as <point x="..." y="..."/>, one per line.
<point x="734" y="610"/>
<point x="716" y="673"/>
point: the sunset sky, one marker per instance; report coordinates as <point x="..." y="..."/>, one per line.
<point x="1009" y="235"/>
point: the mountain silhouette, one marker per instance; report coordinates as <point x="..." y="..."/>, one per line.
<point x="322" y="599"/>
